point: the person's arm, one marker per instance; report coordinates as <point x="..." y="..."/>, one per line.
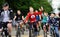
<point x="42" y="8"/>
<point x="14" y="18"/>
<point x="26" y="19"/>
<point x="40" y="17"/>
<point x="11" y="15"/>
<point x="22" y="17"/>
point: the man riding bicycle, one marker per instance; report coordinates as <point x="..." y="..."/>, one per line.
<point x="6" y="18"/>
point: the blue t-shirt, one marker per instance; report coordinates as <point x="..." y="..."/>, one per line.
<point x="37" y="17"/>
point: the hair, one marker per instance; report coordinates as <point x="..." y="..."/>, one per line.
<point x="30" y="7"/>
<point x="5" y="4"/>
<point x="18" y="10"/>
<point x="52" y="13"/>
<point x="44" y="12"/>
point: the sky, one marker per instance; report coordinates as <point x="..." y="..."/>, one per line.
<point x="55" y="5"/>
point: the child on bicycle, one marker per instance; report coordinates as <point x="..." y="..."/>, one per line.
<point x="38" y="18"/>
<point x="53" y="24"/>
<point x="6" y="18"/>
<point x="44" y="21"/>
<point x="19" y="20"/>
<point x="32" y="18"/>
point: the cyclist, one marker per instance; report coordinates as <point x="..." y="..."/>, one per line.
<point x="40" y="14"/>
<point x="44" y="21"/>
<point x="32" y="17"/>
<point x="6" y="18"/>
<point x="55" y="25"/>
<point x="38" y="18"/>
<point x="19" y="19"/>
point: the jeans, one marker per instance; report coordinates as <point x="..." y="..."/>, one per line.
<point x="56" y="30"/>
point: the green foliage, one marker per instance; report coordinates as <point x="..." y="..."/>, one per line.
<point x="1" y="2"/>
<point x="24" y="5"/>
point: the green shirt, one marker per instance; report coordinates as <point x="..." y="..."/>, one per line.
<point x="44" y="19"/>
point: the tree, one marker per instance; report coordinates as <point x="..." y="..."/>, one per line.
<point x="1" y="3"/>
<point x="24" y="5"/>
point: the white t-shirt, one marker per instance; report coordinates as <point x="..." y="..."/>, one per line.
<point x="6" y="16"/>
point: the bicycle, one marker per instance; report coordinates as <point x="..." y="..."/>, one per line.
<point x="5" y="32"/>
<point x="31" y="31"/>
<point x="19" y="30"/>
<point x="45" y="31"/>
<point x="53" y="29"/>
<point x="53" y="34"/>
<point x="18" y="33"/>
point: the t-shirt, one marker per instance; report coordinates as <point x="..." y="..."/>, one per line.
<point x="31" y="17"/>
<point x="37" y="16"/>
<point x="44" y="19"/>
<point x="40" y="13"/>
<point x="18" y="17"/>
<point x="53" y="21"/>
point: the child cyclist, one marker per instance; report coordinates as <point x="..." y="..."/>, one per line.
<point x="38" y="18"/>
<point x="32" y="17"/>
<point x="44" y="21"/>
<point x="53" y="24"/>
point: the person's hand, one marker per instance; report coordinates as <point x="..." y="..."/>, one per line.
<point x="25" y="21"/>
<point x="42" y="8"/>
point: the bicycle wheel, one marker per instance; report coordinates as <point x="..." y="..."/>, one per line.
<point x="30" y="33"/>
<point x="5" y="32"/>
<point x="45" y="34"/>
<point x="18" y="33"/>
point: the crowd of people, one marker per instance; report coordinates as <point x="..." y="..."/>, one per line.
<point x="35" y="18"/>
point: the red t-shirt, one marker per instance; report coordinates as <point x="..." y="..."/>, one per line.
<point x="31" y="17"/>
<point x="40" y="13"/>
<point x="36" y="13"/>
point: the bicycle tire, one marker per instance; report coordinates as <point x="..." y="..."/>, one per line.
<point x="18" y="34"/>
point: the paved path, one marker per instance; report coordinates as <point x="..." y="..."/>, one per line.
<point x="27" y="33"/>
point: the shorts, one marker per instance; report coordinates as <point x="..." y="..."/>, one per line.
<point x="0" y="25"/>
<point x="17" y="22"/>
<point x="4" y="24"/>
<point x="44" y="24"/>
<point x="37" y="18"/>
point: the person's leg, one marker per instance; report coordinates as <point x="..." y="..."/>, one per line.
<point x="9" y="25"/>
<point x="50" y="30"/>
<point x="44" y="28"/>
<point x="56" y="31"/>
<point x="35" y="28"/>
<point x="30" y="28"/>
<point x="0" y="27"/>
